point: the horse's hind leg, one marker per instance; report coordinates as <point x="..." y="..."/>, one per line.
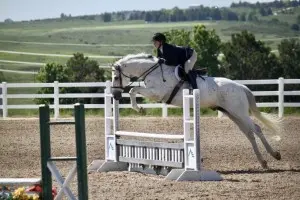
<point x="260" y="158"/>
<point x="246" y="125"/>
<point x="258" y="132"/>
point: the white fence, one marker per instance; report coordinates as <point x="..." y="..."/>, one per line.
<point x="56" y="96"/>
<point x="280" y="92"/>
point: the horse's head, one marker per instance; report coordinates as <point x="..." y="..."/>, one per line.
<point x="128" y="69"/>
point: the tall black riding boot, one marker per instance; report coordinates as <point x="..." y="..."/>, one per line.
<point x="192" y="80"/>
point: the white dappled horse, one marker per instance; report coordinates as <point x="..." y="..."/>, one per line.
<point x="232" y="98"/>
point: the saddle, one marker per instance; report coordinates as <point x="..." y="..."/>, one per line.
<point x="195" y="72"/>
<point x="200" y="72"/>
<point x="190" y="77"/>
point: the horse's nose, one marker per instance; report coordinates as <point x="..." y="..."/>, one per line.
<point x="117" y="95"/>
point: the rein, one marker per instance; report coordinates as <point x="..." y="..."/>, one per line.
<point x="132" y="79"/>
<point x="144" y="75"/>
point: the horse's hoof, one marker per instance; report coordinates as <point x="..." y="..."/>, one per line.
<point x="277" y="155"/>
<point x="264" y="164"/>
<point x="142" y="111"/>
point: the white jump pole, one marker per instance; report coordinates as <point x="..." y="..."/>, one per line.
<point x="193" y="170"/>
<point x="111" y="115"/>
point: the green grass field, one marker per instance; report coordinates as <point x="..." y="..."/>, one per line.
<point x="44" y="59"/>
<point x="80" y="32"/>
<point x="95" y="34"/>
<point x="18" y="78"/>
<point x="70" y="49"/>
<point x="11" y="66"/>
<point x="88" y="37"/>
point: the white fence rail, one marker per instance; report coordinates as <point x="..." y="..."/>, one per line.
<point x="5" y="96"/>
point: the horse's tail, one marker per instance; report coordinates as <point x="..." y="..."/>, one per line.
<point x="269" y="120"/>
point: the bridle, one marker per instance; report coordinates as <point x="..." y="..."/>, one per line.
<point x="118" y="68"/>
<point x="133" y="79"/>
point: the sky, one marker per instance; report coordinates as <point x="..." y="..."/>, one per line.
<point x="19" y="10"/>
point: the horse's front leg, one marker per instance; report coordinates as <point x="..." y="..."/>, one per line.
<point x="146" y="92"/>
<point x="132" y="94"/>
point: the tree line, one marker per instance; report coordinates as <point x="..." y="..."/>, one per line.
<point x="197" y="13"/>
<point x="193" y="13"/>
<point x="274" y="4"/>
<point x="176" y="14"/>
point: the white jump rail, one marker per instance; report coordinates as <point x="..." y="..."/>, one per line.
<point x="149" y="135"/>
<point x="19" y="181"/>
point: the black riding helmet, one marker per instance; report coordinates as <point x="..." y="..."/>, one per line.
<point x="159" y="37"/>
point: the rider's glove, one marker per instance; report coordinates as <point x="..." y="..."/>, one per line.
<point x="161" y="61"/>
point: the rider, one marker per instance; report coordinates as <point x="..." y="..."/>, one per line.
<point x="173" y="55"/>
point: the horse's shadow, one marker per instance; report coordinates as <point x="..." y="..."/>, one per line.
<point x="254" y="171"/>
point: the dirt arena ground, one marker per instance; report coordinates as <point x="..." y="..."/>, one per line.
<point x="225" y="149"/>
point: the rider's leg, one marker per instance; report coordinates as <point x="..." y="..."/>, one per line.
<point x="189" y="65"/>
<point x="192" y="79"/>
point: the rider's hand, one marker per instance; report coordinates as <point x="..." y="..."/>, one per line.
<point x="161" y="61"/>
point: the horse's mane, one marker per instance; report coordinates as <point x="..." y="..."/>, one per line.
<point x="136" y="56"/>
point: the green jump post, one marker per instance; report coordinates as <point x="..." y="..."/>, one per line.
<point x="45" y="151"/>
<point x="81" y="152"/>
<point x="81" y="159"/>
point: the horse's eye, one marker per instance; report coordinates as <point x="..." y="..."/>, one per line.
<point x="116" y="78"/>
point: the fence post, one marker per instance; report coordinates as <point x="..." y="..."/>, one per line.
<point x="280" y="97"/>
<point x="4" y="99"/>
<point x="164" y="111"/>
<point x="56" y="100"/>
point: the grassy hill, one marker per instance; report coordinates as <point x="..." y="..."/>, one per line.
<point x="285" y="15"/>
<point x="93" y="37"/>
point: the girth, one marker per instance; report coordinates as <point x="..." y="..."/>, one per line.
<point x="175" y="90"/>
